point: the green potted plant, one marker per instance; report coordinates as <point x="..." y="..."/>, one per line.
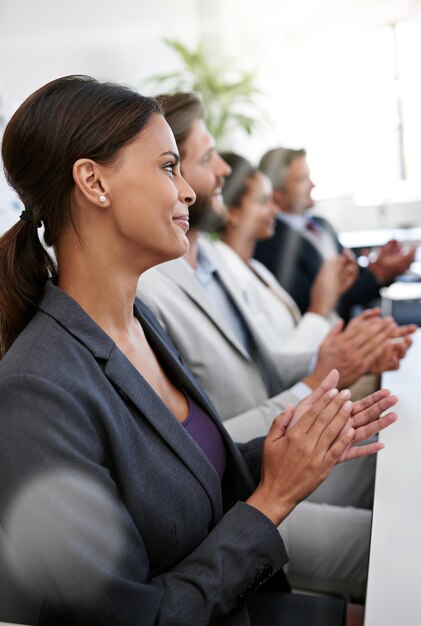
<point x="228" y="93"/>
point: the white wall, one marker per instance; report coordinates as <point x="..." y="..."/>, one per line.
<point x="327" y="72"/>
<point x="117" y="39"/>
<point x="311" y="59"/>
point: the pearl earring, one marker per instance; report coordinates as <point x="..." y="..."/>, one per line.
<point x="102" y="199"/>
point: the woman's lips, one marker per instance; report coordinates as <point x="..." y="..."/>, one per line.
<point x="182" y="220"/>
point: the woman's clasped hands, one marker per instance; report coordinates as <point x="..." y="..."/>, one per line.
<point x="305" y="443"/>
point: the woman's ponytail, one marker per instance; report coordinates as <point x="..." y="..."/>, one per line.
<point x="24" y="267"/>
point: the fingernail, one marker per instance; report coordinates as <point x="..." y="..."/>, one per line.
<point x="350" y="433"/>
<point x="347" y="406"/>
<point x="345" y="393"/>
<point x="332" y="393"/>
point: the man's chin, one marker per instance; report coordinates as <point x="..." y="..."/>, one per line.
<point x="213" y="222"/>
<point x="207" y="214"/>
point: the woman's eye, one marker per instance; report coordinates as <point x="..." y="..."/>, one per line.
<point x="170" y="167"/>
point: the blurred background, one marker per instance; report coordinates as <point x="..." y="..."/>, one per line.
<point x="338" y="77"/>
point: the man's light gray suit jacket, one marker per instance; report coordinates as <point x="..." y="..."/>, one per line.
<point x="216" y="357"/>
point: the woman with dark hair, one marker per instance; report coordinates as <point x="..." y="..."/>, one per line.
<point x="122" y="497"/>
<point x="251" y="218"/>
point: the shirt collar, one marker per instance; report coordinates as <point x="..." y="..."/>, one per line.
<point x="297" y="222"/>
<point x="206" y="267"/>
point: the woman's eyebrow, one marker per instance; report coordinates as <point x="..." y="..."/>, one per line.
<point x="208" y="152"/>
<point x="173" y="154"/>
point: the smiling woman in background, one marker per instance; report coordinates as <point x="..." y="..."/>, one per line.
<point x="122" y="497"/>
<point x="251" y="218"/>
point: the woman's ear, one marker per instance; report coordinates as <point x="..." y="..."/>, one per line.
<point x="90" y="181"/>
<point x="234" y="216"/>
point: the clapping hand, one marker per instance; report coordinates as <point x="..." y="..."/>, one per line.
<point x="394" y="350"/>
<point x="355" y="349"/>
<point x="298" y="457"/>
<point x="335" y="277"/>
<point x="392" y="260"/>
<point x="364" y="417"/>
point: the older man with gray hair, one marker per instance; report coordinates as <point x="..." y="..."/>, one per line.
<point x="302" y="243"/>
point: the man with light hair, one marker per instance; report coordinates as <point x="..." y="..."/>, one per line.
<point x="211" y="328"/>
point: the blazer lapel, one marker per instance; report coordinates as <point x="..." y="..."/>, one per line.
<point x="133" y="387"/>
<point x="273" y="380"/>
<point x="180" y="274"/>
<point x="229" y="282"/>
<point x="170" y="359"/>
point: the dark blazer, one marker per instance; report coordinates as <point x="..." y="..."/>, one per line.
<point x="128" y="501"/>
<point x="295" y="262"/>
<point x="113" y="511"/>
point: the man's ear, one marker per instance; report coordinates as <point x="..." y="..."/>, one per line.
<point x="90" y="182"/>
<point x="279" y="199"/>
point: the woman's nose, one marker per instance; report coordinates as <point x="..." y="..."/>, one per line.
<point x="187" y="195"/>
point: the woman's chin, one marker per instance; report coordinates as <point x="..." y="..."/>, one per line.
<point x="267" y="233"/>
<point x="180" y="250"/>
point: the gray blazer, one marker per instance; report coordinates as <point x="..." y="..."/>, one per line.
<point x="113" y="510"/>
<point x="218" y="360"/>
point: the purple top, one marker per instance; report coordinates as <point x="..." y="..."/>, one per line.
<point x="203" y="430"/>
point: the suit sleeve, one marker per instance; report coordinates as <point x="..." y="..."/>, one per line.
<point x="256" y="422"/>
<point x="292" y="366"/>
<point x="290" y="258"/>
<point x="74" y="538"/>
<point x="365" y="289"/>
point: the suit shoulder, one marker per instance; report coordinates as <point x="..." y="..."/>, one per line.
<point x="48" y="351"/>
<point x="154" y="278"/>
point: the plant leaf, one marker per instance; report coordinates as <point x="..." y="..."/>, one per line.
<point x="228" y="92"/>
